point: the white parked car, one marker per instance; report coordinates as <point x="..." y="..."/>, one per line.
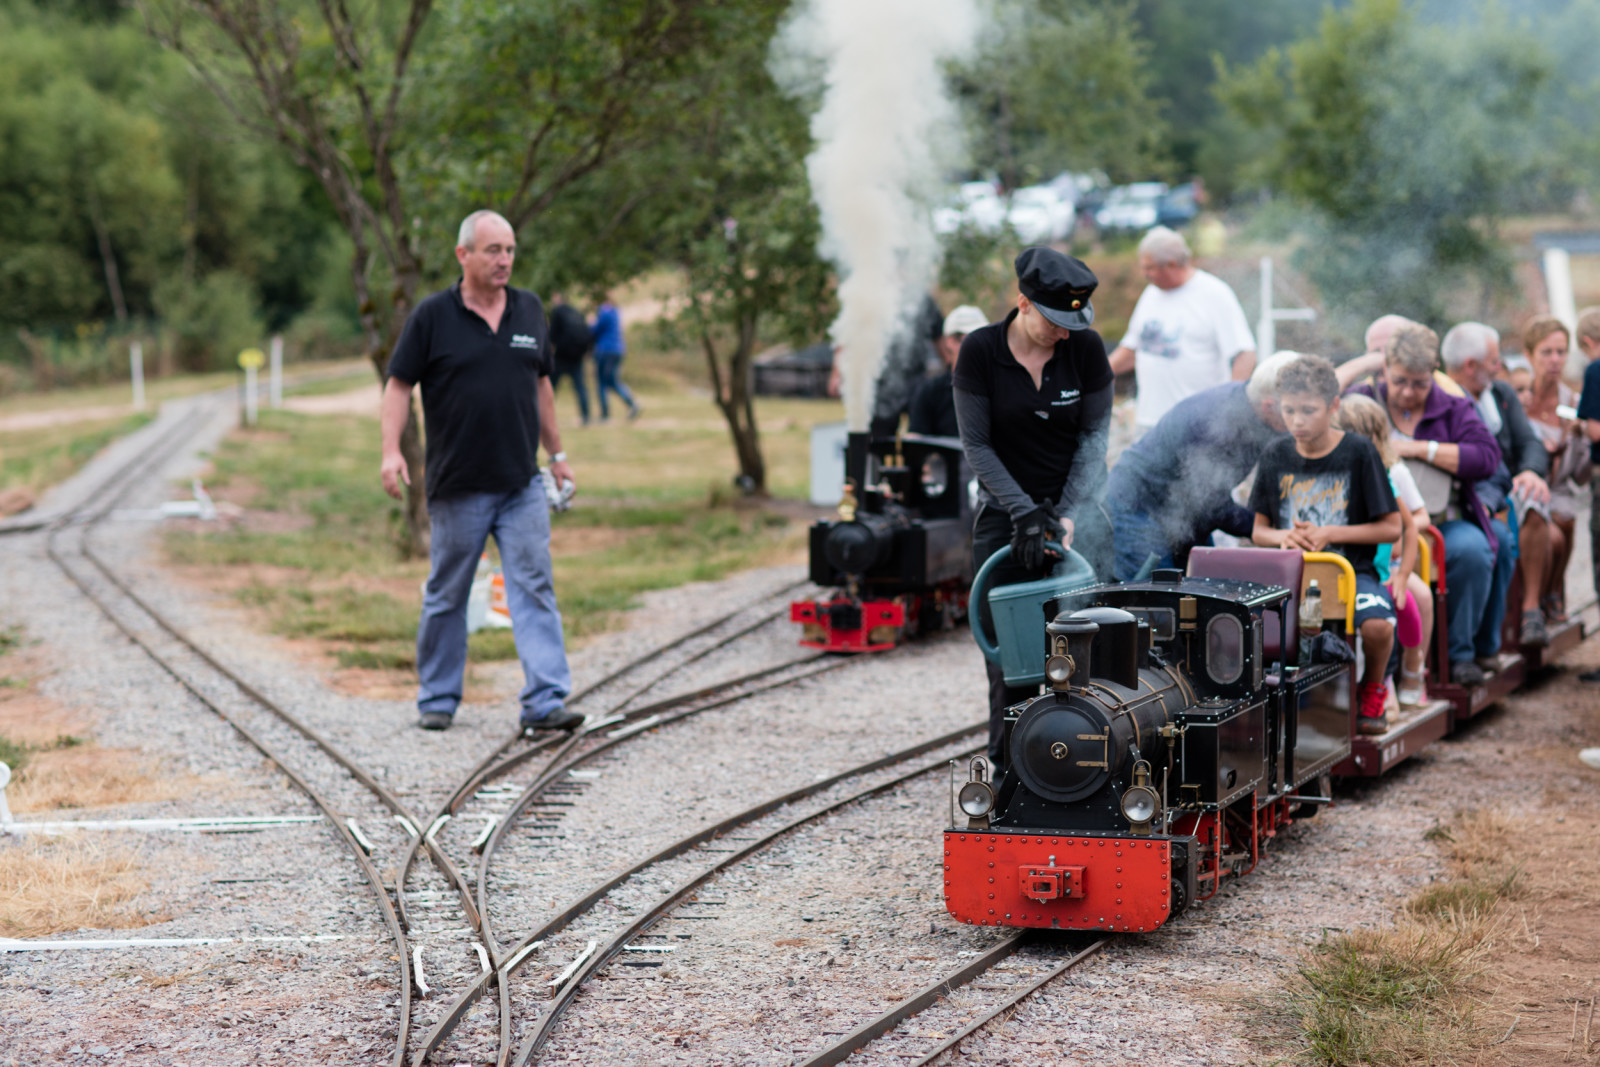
<point x="1039" y="215"/>
<point x="1131" y="207"/>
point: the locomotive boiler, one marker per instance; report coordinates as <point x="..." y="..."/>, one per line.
<point x="1174" y="736"/>
<point x="897" y="559"/>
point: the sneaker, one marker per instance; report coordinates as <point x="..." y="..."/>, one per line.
<point x="1371" y="719"/>
<point x="435" y="720"/>
<point x="1467" y="673"/>
<point x="1533" y="629"/>
<point x="1590" y="757"/>
<point x="634" y="412"/>
<point x="1488" y="664"/>
<point x="560" y="719"/>
<point x="1590" y="676"/>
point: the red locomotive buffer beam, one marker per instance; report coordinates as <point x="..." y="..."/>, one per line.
<point x="1058" y="881"/>
<point x="845" y="625"/>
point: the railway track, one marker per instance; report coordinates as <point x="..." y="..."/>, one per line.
<point x="264" y="724"/>
<point x="1034" y="975"/>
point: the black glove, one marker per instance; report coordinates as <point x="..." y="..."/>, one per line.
<point x="1028" y="537"/>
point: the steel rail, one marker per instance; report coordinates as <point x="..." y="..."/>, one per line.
<point x="517" y="953"/>
<point x="159" y="452"/>
<point x="595" y="962"/>
<point x="487" y="769"/>
<point x="559" y="765"/>
<point x="493" y="766"/>
<point x="1012" y="1001"/>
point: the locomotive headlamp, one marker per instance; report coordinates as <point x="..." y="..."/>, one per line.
<point x="1139" y="801"/>
<point x="976" y="799"/>
<point x="1058" y="671"/>
<point x="1139" y="804"/>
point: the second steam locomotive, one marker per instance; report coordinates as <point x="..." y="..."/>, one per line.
<point x="898" y="558"/>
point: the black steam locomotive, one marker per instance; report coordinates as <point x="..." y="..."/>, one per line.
<point x="1178" y="732"/>
<point x="898" y="559"/>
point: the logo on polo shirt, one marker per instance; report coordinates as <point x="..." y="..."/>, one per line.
<point x="1043" y="414"/>
<point x="524" y="340"/>
<point x="1068" y="396"/>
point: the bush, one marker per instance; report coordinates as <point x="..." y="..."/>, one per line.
<point x="208" y="324"/>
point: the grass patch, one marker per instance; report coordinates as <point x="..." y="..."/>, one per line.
<point x="72" y="773"/>
<point x="654" y="512"/>
<point x="53" y="886"/>
<point x="38" y="458"/>
<point x="1406" y="994"/>
<point x="13" y="754"/>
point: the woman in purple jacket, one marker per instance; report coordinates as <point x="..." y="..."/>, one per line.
<point x="1430" y="426"/>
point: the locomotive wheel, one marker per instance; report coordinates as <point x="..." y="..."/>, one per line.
<point x="1180" y="897"/>
<point x="1324" y="785"/>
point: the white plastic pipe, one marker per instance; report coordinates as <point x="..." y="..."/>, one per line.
<point x="250" y="395"/>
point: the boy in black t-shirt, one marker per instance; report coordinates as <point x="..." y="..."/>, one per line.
<point x="1324" y="490"/>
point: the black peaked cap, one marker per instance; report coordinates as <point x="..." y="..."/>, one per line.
<point x="1059" y="286"/>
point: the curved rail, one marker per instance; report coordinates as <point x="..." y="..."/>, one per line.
<point x="158" y="452"/>
<point x="655" y="912"/>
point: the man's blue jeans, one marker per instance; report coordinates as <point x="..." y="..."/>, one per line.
<point x="607" y="372"/>
<point x="1137" y="536"/>
<point x="1476" y="580"/>
<point x="520" y="523"/>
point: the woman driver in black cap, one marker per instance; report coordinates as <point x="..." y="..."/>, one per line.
<point x="1033" y="400"/>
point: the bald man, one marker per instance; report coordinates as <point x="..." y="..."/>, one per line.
<point x="480" y="350"/>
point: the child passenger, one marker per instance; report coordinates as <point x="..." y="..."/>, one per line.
<point x="1324" y="490"/>
<point x="1413" y="600"/>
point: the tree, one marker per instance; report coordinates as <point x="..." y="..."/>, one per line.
<point x="1405" y="146"/>
<point x="1063" y="85"/>
<point x="404" y="113"/>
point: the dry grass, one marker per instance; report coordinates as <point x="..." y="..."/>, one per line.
<point x="88" y="776"/>
<point x="51" y="886"/>
<point x="1408" y="994"/>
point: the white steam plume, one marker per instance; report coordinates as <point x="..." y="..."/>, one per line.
<point x="881" y="133"/>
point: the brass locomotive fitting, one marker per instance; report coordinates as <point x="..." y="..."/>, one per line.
<point x="847" y="503"/>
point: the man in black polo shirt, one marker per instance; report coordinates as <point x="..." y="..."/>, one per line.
<point x="481" y="352"/>
<point x="1033" y="399"/>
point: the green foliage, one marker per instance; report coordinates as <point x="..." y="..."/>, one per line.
<point x="35" y="459"/>
<point x="1064" y="85"/>
<point x="209" y="322"/>
<point x="12" y="754"/>
<point x="1406" y="144"/>
<point x="119" y="181"/>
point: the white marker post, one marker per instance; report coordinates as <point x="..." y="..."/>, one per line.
<point x="275" y="372"/>
<point x="250" y="359"/>
<point x="1267" y="327"/>
<point x="136" y="367"/>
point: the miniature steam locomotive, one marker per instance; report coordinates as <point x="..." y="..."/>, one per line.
<point x="898" y="559"/>
<point x="1174" y="738"/>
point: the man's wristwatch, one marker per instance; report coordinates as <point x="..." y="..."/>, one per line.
<point x="559" y="457"/>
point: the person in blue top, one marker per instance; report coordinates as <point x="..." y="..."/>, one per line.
<point x="1172" y="487"/>
<point x="608" y="352"/>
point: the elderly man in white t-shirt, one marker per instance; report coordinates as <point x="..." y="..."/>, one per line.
<point x="1188" y="332"/>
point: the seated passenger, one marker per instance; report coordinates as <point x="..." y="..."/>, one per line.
<point x="1471" y="354"/>
<point x="1434" y="431"/>
<point x="1171" y="488"/>
<point x="1397" y="563"/>
<point x="1545" y="341"/>
<point x="1324" y="490"/>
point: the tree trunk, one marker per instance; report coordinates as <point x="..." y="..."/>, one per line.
<point x="379" y="346"/>
<point x="737" y="406"/>
<point x="102" y="236"/>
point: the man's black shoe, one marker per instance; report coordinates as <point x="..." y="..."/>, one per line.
<point x="560" y="719"/>
<point x="435" y="720"/>
<point x="1590" y="676"/>
<point x="1467" y="673"/>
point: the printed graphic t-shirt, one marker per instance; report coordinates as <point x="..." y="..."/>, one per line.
<point x="1185" y="340"/>
<point x="1346" y="487"/>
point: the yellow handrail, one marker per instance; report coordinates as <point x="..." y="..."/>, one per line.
<point x="1347" y="584"/>
<point x="1425" y="561"/>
